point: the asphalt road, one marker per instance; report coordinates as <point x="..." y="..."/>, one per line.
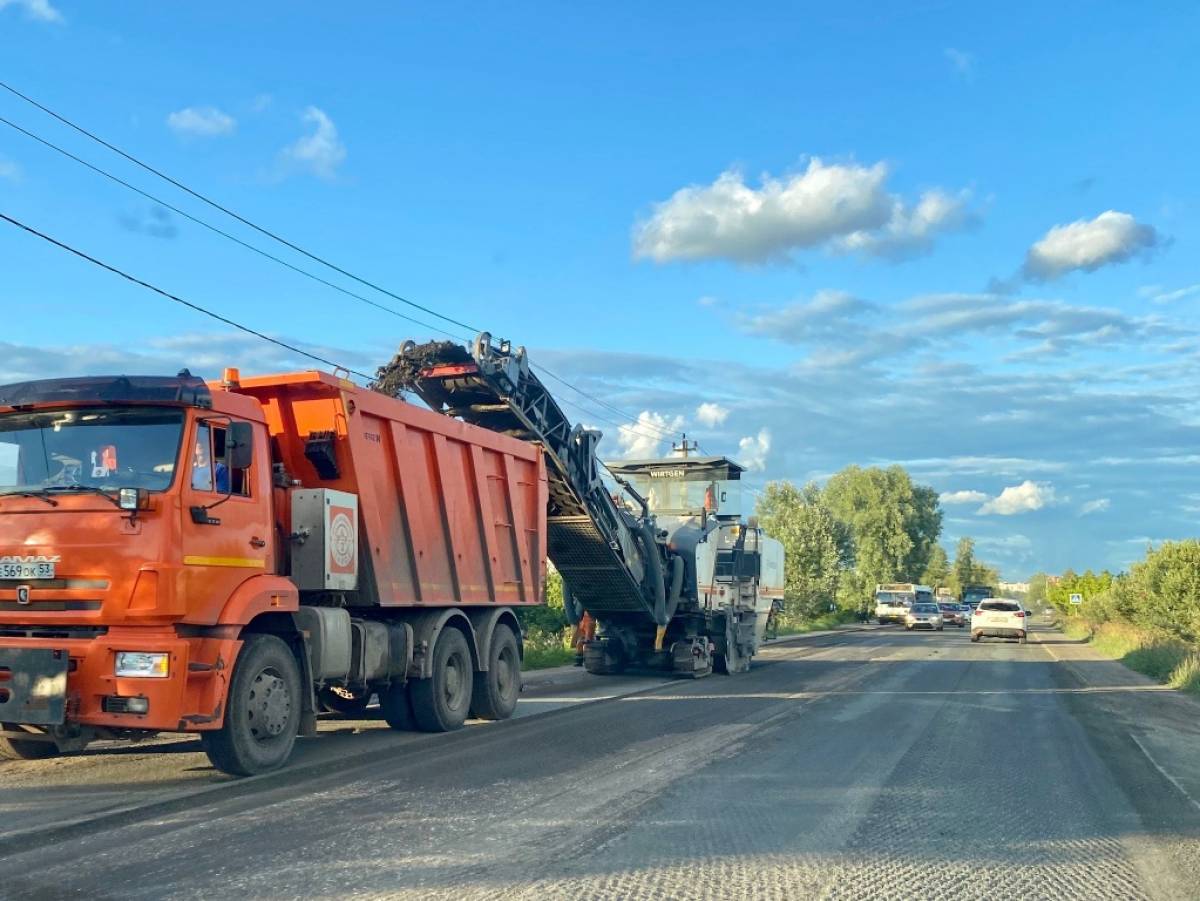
<point x="863" y="765"/>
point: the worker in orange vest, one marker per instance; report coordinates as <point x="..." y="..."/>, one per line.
<point x="585" y="631"/>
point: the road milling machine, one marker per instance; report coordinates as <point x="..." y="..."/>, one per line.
<point x="658" y="554"/>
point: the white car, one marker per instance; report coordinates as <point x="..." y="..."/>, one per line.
<point x="999" y="618"/>
<point x="924" y="616"/>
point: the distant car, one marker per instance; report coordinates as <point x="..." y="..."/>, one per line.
<point x="952" y="614"/>
<point x="999" y="618"/>
<point x="924" y="616"/>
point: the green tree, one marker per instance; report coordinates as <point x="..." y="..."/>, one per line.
<point x="1037" y="590"/>
<point x="965" y="567"/>
<point x="894" y="524"/>
<point x="937" y="570"/>
<point x="815" y="545"/>
<point x="1096" y="589"/>
<point x="1164" y="589"/>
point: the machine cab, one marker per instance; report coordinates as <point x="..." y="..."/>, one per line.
<point x="686" y="486"/>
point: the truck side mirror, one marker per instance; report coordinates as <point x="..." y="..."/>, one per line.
<point x="239" y="445"/>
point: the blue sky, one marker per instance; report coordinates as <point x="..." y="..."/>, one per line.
<point x="956" y="238"/>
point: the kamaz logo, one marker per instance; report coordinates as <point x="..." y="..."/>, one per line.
<point x="32" y="558"/>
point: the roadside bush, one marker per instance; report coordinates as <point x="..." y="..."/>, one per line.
<point x="547" y="632"/>
<point x="1156" y="653"/>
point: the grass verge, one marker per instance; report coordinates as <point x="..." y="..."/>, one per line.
<point x="818" y="624"/>
<point x="546" y="649"/>
<point x="1161" y="656"/>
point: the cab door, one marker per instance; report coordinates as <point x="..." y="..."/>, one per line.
<point x="227" y="533"/>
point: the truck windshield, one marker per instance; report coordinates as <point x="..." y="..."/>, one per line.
<point x="89" y="447"/>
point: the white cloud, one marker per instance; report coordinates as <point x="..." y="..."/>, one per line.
<point x="41" y="10"/>
<point x="730" y="220"/>
<point x="963" y="62"/>
<point x="1005" y="543"/>
<point x="708" y="301"/>
<point x="645" y="439"/>
<point x="205" y="353"/>
<point x="201" y="121"/>
<point x="1023" y="498"/>
<point x="753" y="450"/>
<point x="825" y="316"/>
<point x="1158" y="295"/>
<point x="9" y="170"/>
<point x="962" y="497"/>
<point x="320" y="152"/>
<point x="711" y="414"/>
<point x="1099" y="505"/>
<point x="1087" y="245"/>
<point x="911" y="231"/>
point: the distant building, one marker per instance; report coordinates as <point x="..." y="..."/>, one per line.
<point x="1014" y="587"/>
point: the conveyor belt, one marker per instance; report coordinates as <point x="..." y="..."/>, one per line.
<point x="591" y="542"/>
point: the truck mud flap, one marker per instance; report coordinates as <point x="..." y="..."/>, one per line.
<point x="33" y="686"/>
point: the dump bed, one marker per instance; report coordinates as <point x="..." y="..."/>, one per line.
<point x="449" y="513"/>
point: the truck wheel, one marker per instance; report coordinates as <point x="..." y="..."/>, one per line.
<point x="440" y="703"/>
<point x="20" y="749"/>
<point x="345" y="702"/>
<point x="496" y="691"/>
<point x="395" y="702"/>
<point x="262" y="715"/>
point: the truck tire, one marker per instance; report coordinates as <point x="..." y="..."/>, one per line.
<point x="731" y="661"/>
<point x="395" y="703"/>
<point x="496" y="691"/>
<point x="441" y="702"/>
<point x="262" y="715"/>
<point x="19" y="749"/>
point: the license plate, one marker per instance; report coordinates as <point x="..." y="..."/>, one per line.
<point x="22" y="571"/>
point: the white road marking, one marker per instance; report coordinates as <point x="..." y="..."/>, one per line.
<point x="1175" y="782"/>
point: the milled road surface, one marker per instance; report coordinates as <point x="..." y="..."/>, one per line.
<point x="873" y="764"/>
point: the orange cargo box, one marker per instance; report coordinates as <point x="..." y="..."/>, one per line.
<point x="449" y="514"/>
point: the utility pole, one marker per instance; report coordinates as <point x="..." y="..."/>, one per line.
<point x="684" y="448"/>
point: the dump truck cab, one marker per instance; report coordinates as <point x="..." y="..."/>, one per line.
<point x="134" y="511"/>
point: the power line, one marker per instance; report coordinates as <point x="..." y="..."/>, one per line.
<point x="664" y="432"/>
<point x="218" y="231"/>
<point x="228" y="212"/>
<point x="187" y="303"/>
<point x="275" y="237"/>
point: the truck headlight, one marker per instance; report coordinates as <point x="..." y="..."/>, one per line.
<point x="141" y="665"/>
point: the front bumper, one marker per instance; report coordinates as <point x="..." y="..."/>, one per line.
<point x="923" y="624"/>
<point x="190" y="697"/>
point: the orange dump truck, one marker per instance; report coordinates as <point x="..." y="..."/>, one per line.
<point x="231" y="558"/>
